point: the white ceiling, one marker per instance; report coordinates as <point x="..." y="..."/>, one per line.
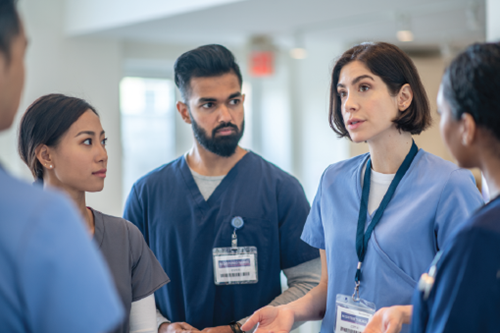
<point x="433" y="22"/>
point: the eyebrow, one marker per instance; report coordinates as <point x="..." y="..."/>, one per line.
<point x="91" y="133"/>
<point x="211" y="99"/>
<point x="356" y="80"/>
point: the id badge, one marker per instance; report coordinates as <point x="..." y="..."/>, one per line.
<point x="235" y="265"/>
<point x="352" y="316"/>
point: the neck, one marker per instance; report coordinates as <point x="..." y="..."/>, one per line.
<point x="388" y="152"/>
<point x="207" y="163"/>
<point x="78" y="198"/>
<point x="491" y="172"/>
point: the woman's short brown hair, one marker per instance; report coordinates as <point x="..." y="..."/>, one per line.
<point x="396" y="69"/>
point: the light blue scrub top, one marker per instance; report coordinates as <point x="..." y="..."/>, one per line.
<point x="52" y="278"/>
<point x="432" y="199"/>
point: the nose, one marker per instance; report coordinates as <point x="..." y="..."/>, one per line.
<point x="224" y="114"/>
<point x="350" y="104"/>
<point x="102" y="154"/>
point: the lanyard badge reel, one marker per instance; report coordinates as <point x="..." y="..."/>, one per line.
<point x="352" y="312"/>
<point x="235" y="264"/>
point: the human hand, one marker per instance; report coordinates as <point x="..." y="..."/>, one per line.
<point x="389" y="320"/>
<point x="270" y="319"/>
<point x="180" y="327"/>
<point x="218" y="329"/>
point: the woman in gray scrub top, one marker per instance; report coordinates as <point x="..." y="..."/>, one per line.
<point x="62" y="142"/>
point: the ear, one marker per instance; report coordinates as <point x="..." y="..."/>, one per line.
<point x="405" y="97"/>
<point x="43" y="155"/>
<point x="183" y="110"/>
<point x="468" y="129"/>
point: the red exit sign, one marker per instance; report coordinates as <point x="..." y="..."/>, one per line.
<point x="261" y="63"/>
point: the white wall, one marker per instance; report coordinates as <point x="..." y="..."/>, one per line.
<point x="80" y="67"/>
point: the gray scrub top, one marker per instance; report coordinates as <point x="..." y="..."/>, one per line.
<point x="135" y="270"/>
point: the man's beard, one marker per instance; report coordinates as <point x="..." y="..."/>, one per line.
<point x="224" y="146"/>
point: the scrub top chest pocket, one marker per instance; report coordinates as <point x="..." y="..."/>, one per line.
<point x="235" y="264"/>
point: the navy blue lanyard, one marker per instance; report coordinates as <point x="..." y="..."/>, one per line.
<point x="362" y="238"/>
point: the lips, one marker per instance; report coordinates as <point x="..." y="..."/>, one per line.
<point x="225" y="131"/>
<point x="101" y="173"/>
<point x="354" y="123"/>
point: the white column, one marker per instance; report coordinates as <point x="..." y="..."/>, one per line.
<point x="493" y="20"/>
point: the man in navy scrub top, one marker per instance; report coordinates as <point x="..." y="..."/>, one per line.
<point x="222" y="221"/>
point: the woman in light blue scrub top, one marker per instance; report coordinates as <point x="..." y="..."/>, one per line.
<point x="378" y="218"/>
<point x="461" y="290"/>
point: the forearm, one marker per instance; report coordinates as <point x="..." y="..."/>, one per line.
<point x="311" y="306"/>
<point x="300" y="279"/>
<point x="142" y="315"/>
<point x="160" y="319"/>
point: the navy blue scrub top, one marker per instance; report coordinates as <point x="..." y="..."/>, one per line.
<point x="182" y="229"/>
<point x="465" y="296"/>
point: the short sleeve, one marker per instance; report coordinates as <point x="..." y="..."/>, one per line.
<point x="134" y="210"/>
<point x="313" y="233"/>
<point x="466" y="292"/>
<point x="459" y="199"/>
<point x="147" y="273"/>
<point x="292" y="211"/>
<point x="65" y="281"/>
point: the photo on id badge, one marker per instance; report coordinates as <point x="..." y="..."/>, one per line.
<point x="235" y="264"/>
<point x="352" y="315"/>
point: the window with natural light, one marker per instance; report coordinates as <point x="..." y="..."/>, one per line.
<point x="147" y="126"/>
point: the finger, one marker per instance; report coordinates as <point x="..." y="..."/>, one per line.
<point x="251" y="322"/>
<point x="393" y="328"/>
<point x="187" y="327"/>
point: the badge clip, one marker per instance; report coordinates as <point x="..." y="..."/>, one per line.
<point x="237" y="223"/>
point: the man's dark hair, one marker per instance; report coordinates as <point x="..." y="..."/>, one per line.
<point x="204" y="61"/>
<point x="471" y="84"/>
<point x="44" y="123"/>
<point x="396" y="69"/>
<point x="10" y="26"/>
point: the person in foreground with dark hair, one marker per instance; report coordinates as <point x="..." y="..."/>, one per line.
<point x="62" y="141"/>
<point x="221" y="220"/>
<point x="378" y="218"/>
<point x="53" y="279"/>
<point x="461" y="291"/>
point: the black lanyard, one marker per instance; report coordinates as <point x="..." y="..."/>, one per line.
<point x="362" y="238"/>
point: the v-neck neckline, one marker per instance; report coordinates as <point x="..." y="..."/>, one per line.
<point x="359" y="188"/>
<point x="199" y="200"/>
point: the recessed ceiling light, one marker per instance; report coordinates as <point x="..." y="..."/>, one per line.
<point x="405" y="35"/>
<point x="298" y="53"/>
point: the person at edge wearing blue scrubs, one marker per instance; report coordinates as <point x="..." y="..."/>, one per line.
<point x="378" y="218"/>
<point x="63" y="143"/>
<point x="221" y="220"/>
<point x="52" y="277"/>
<point x="461" y="290"/>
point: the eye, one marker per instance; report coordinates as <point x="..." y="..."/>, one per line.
<point x="364" y="88"/>
<point x="87" y="142"/>
<point x="104" y="141"/>
<point x="235" y="101"/>
<point x="207" y="105"/>
<point x="342" y="94"/>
